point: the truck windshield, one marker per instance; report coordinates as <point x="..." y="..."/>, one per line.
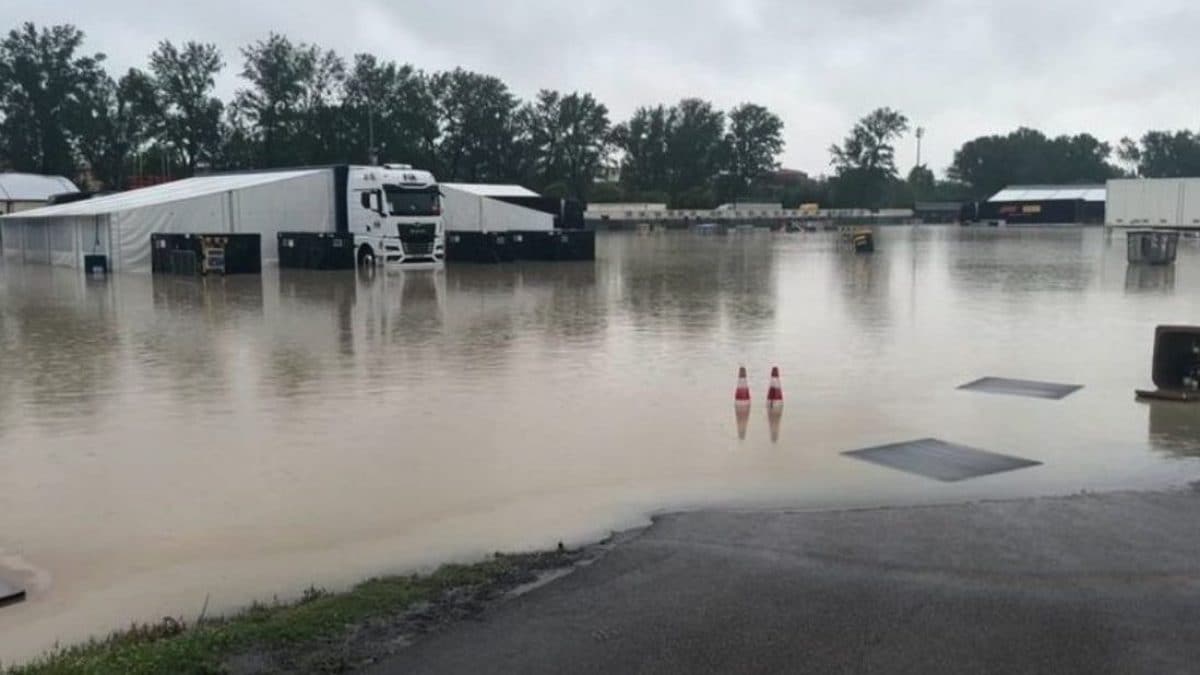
<point x="402" y="202"/>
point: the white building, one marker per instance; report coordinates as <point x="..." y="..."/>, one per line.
<point x="119" y="225"/>
<point x="24" y="191"/>
<point x="1153" y="202"/>
<point x="624" y="210"/>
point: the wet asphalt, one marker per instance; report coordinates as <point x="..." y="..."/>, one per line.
<point x="1083" y="584"/>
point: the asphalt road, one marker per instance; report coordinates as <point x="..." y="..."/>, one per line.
<point x="1085" y="584"/>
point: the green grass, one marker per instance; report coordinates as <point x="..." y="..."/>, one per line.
<point x="173" y="647"/>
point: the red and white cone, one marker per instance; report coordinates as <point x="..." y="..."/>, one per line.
<point x="775" y="393"/>
<point x="741" y="397"/>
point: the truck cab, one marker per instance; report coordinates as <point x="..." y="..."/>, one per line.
<point x="395" y="215"/>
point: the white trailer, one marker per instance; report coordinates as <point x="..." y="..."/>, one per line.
<point x="1153" y="202"/>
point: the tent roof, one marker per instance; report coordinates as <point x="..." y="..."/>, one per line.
<point x="1040" y="193"/>
<point x="491" y="190"/>
<point x="32" y="187"/>
<point x="162" y="194"/>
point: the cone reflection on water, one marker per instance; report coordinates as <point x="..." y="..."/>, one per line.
<point x="742" y="411"/>
<point x="774" y="420"/>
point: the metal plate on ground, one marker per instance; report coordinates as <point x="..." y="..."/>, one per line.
<point x="940" y="460"/>
<point x="10" y="594"/>
<point x="1031" y="388"/>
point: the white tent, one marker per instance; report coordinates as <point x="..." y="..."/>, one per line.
<point x="120" y="225"/>
<point x="475" y="207"/>
<point x="23" y="191"/>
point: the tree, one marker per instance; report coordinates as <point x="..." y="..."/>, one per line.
<point x="753" y="142"/>
<point x="190" y="114"/>
<point x="394" y="105"/>
<point x="479" y="128"/>
<point x="115" y="120"/>
<point x="921" y="182"/>
<point x="1027" y="156"/>
<point x="1163" y="154"/>
<point x="291" y="104"/>
<point x="43" y="85"/>
<point x="569" y="136"/>
<point x="644" y="142"/>
<point x="694" y="148"/>
<point x="866" y="160"/>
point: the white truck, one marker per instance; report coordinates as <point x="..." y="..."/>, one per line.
<point x="394" y="212"/>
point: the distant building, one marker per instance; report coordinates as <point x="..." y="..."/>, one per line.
<point x="1046" y="205"/>
<point x="751" y="206"/>
<point x="24" y="191"/>
<point x="624" y="210"/>
<point x="937" y="212"/>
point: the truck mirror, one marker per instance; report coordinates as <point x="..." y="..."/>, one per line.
<point x="366" y="200"/>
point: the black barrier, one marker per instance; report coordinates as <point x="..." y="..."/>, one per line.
<point x="316" y="250"/>
<point x="220" y="253"/>
<point x="480" y="247"/>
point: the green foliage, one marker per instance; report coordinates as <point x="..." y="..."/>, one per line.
<point x="172" y="646"/>
<point x="687" y="153"/>
<point x="45" y="92"/>
<point x="606" y="192"/>
<point x="695" y="149"/>
<point x="753" y="142"/>
<point x="1163" y="154"/>
<point x="481" y="137"/>
<point x="1027" y="156"/>
<point x="569" y="139"/>
<point x="289" y="113"/>
<point x="188" y="115"/>
<point x="393" y="104"/>
<point x="866" y="161"/>
<point x="61" y="113"/>
<point x="921" y="182"/>
<point x="644" y="141"/>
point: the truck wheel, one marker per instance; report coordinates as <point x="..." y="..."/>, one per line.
<point x="366" y="256"/>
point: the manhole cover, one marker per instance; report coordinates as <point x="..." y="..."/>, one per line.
<point x="940" y="460"/>
<point x="1031" y="388"/>
<point x="10" y="594"/>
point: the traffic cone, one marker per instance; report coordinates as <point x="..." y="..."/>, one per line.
<point x="741" y="397"/>
<point x="775" y="393"/>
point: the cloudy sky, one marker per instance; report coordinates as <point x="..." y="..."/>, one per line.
<point x="960" y="68"/>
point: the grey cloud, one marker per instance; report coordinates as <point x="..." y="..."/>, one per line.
<point x="959" y="68"/>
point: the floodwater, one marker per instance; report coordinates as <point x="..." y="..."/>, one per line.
<point x="164" y="441"/>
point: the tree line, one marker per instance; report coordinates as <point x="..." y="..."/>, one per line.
<point x="62" y="112"/>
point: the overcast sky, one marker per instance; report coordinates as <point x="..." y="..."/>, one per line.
<point x="959" y="68"/>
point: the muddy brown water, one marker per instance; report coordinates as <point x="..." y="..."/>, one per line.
<point x="165" y="440"/>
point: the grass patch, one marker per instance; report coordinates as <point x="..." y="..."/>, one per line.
<point x="172" y="646"/>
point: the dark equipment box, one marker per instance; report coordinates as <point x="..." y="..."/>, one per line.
<point x="480" y="247"/>
<point x="217" y="253"/>
<point x="1176" y="369"/>
<point x="316" y="250"/>
<point x="556" y="245"/>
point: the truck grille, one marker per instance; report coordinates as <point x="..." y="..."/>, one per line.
<point x="418" y="248"/>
